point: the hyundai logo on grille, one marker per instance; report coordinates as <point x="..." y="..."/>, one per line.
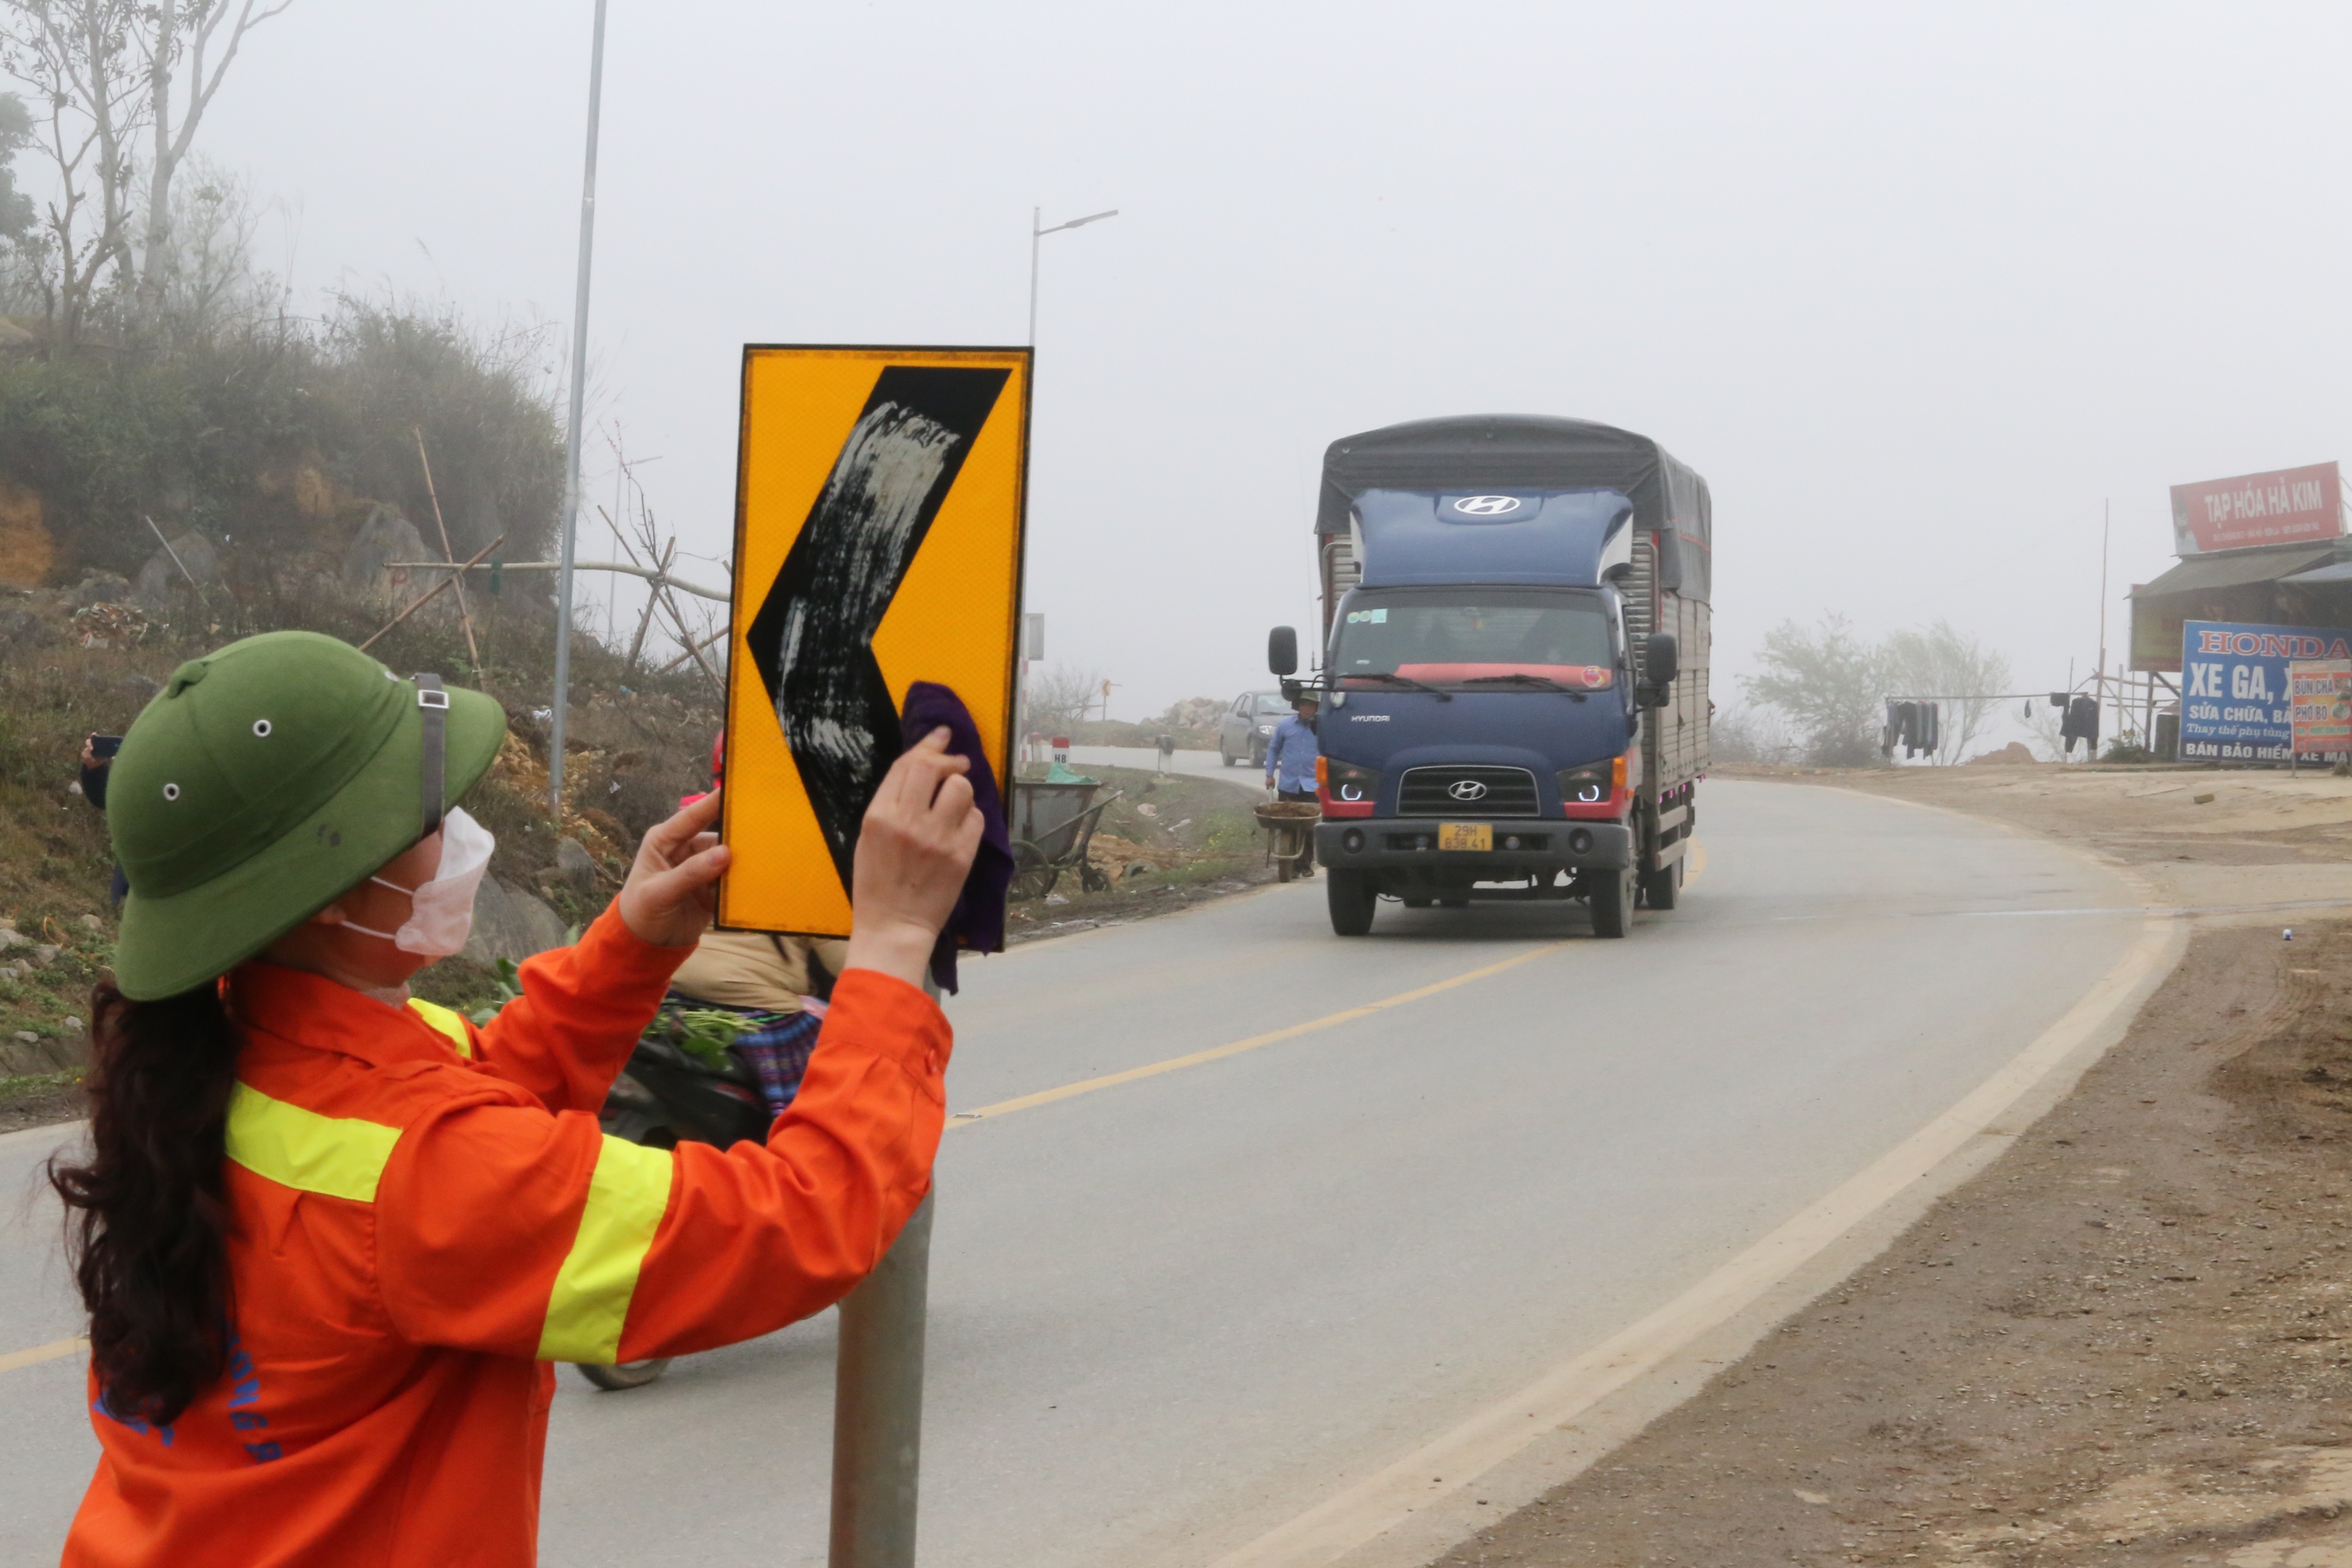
<point x="1467" y="789"/>
<point x="1486" y="505"/>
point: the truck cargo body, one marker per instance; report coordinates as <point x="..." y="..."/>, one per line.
<point x="1499" y="718"/>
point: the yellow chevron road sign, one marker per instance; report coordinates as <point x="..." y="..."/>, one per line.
<point x="879" y="511"/>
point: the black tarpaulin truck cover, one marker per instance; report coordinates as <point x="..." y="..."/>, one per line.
<point x="1507" y="451"/>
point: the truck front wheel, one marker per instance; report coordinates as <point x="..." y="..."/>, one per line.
<point x="1613" y="903"/>
<point x="1662" y="889"/>
<point x="1352" y="897"/>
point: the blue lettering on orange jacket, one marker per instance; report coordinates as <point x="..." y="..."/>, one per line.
<point x="244" y="1391"/>
<point x="136" y="1424"/>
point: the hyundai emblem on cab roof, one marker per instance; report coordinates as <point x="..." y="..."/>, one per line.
<point x="1486" y="505"/>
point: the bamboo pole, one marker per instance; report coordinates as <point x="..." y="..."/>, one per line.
<point x="637" y="643"/>
<point x="648" y="573"/>
<point x="465" y="615"/>
<point x="430" y="594"/>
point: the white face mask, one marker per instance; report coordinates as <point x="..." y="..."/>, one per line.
<point x="441" y="911"/>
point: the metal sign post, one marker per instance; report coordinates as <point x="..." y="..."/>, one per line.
<point x="878" y="543"/>
<point x="878" y="1406"/>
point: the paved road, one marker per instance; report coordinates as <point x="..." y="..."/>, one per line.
<point x="1206" y="762"/>
<point x="1171" y="1315"/>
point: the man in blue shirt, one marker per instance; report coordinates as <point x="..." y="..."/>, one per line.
<point x="1290" y="766"/>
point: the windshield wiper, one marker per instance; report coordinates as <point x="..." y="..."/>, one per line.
<point x="1524" y="679"/>
<point x="1442" y="695"/>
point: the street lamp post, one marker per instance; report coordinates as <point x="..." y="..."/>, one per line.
<point x="1036" y="234"/>
<point x="571" y="428"/>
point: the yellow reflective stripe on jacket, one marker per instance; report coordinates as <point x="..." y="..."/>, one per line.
<point x="626" y="1198"/>
<point x="340" y="1157"/>
<point x="447" y="1022"/>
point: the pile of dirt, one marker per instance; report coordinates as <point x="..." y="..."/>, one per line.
<point x="1118" y="860"/>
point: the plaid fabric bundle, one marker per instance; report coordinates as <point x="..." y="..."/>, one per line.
<point x="776" y="1048"/>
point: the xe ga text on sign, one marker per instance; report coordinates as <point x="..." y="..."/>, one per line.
<point x="2236" y="698"/>
<point x="2290" y="506"/>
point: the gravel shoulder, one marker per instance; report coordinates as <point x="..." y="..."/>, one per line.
<point x="2128" y="1340"/>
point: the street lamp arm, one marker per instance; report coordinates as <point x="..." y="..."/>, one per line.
<point x="1038" y="232"/>
<point x="1081" y="222"/>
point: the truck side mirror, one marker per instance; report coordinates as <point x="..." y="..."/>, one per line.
<point x="1661" y="661"/>
<point x="1281" y="651"/>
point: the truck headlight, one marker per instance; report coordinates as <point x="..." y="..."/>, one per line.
<point x="1593" y="784"/>
<point x="1345" y="781"/>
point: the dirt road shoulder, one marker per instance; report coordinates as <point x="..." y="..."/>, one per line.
<point x="2128" y="1341"/>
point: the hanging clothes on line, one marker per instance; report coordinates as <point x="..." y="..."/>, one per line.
<point x="2081" y="723"/>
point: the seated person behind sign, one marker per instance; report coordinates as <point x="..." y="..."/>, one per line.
<point x="780" y="983"/>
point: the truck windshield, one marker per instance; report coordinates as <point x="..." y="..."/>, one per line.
<point x="1478" y="638"/>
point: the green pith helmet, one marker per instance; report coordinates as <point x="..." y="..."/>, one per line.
<point x="263" y="782"/>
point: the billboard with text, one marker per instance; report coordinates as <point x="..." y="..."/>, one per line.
<point x="2287" y="506"/>
<point x="2236" y="700"/>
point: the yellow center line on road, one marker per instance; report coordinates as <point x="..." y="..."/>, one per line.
<point x="1698" y="856"/>
<point x="1218" y="1053"/>
<point x="55" y="1350"/>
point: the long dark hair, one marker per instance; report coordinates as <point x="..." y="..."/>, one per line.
<point x="147" y="1214"/>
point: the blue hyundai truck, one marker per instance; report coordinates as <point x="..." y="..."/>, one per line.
<point x="1513" y="680"/>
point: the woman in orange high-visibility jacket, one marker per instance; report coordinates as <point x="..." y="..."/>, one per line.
<point x="331" y="1237"/>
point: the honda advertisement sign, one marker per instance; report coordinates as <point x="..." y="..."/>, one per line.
<point x="2236" y="701"/>
<point x="2291" y="506"/>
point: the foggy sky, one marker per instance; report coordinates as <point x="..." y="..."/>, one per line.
<point x="1916" y="289"/>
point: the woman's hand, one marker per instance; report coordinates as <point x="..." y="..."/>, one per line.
<point x="673" y="885"/>
<point x="913" y="852"/>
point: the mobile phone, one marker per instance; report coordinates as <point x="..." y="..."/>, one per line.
<point x="105" y="746"/>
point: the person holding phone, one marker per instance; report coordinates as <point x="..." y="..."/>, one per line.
<point x="97" y="759"/>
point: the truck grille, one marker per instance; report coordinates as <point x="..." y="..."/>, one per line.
<point x="1438" y="792"/>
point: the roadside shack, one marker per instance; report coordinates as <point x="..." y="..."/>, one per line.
<point x="2265" y="580"/>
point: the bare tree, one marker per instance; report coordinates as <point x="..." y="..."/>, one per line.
<point x="78" y="58"/>
<point x="213" y="280"/>
<point x="1058" y="699"/>
<point x="1965" y="676"/>
<point x="170" y="32"/>
<point x="1829" y="683"/>
<point x="1745" y="734"/>
<point x="106" y="71"/>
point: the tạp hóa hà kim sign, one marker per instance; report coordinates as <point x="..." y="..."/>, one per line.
<point x="879" y="501"/>
<point x="2236" y="701"/>
<point x="2287" y="506"/>
<point x="2320" y="691"/>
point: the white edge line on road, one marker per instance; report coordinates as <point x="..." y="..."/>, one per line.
<point x="1391" y="1496"/>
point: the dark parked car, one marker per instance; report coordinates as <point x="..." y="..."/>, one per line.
<point x="1248" y="725"/>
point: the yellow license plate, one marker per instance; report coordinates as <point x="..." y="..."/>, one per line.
<point x="1465" y="836"/>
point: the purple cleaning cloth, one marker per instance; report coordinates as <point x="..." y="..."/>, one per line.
<point x="978" y="920"/>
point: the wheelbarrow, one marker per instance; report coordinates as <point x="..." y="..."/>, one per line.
<point x="1290" y="825"/>
<point x="1053" y="825"/>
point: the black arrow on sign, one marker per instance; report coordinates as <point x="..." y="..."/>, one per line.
<point x="812" y="639"/>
